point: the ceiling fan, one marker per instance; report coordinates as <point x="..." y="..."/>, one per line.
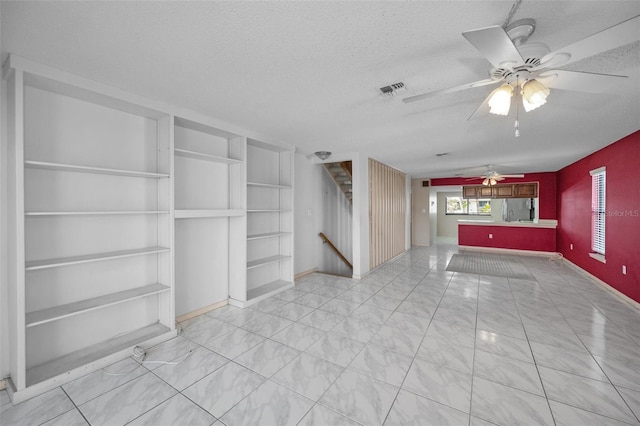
<point x="487" y="174"/>
<point x="530" y="69"/>
<point x="492" y="177"/>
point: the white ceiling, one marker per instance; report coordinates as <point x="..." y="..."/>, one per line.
<point x="308" y="73"/>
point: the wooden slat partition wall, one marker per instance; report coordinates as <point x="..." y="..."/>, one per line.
<point x="387" y="212"/>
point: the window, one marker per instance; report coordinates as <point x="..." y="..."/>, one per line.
<point x="598" y="210"/>
<point x="459" y="205"/>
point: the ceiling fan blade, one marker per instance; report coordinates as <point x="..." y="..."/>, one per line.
<point x="618" y="35"/>
<point x="494" y="43"/>
<point x="450" y="90"/>
<point x="581" y="81"/>
<point x="483" y="108"/>
<point x="512" y="176"/>
<point x="498" y="178"/>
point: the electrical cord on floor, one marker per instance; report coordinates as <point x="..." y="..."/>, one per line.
<point x="139" y="352"/>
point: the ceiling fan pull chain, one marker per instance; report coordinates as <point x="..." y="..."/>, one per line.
<point x="517" y="124"/>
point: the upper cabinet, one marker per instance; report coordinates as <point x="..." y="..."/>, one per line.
<point x="515" y="190"/>
<point x="477" y="191"/>
<point x="526" y="190"/>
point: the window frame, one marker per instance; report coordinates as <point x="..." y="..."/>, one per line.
<point x="462" y="202"/>
<point x="598" y="213"/>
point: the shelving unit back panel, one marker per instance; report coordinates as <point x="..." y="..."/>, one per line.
<point x="55" y="339"/>
<point x="261" y="223"/>
<point x="48" y="190"/>
<point x="286" y="199"/>
<point x="257" y="277"/>
<point x="59" y="286"/>
<point x="286" y="168"/>
<point x="204" y="143"/>
<point x="201" y="184"/>
<point x="263" y="198"/>
<point x="258" y="249"/>
<point x="52" y="237"/>
<point x="264" y="165"/>
<point x="202" y="263"/>
<point x="62" y="129"/>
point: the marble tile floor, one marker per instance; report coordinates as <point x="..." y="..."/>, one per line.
<point x="411" y="344"/>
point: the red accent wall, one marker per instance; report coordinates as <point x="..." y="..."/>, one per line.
<point x="622" y="226"/>
<point x="509" y="237"/>
<point x="546" y="189"/>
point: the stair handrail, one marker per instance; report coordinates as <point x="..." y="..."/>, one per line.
<point x="335" y="249"/>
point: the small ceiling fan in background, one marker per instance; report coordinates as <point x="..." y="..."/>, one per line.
<point x="492" y="177"/>
<point x="487" y="174"/>
<point x="530" y="69"/>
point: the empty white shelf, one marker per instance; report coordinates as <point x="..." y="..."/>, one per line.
<point x="268" y="289"/>
<point x="63" y="311"/>
<point x="93" y="353"/>
<point x="90" y="169"/>
<point x="186" y="214"/>
<point x="268" y="185"/>
<point x="85" y="213"/>
<point x="205" y="157"/>
<point x="267" y="211"/>
<point x="266" y="260"/>
<point x="267" y="235"/>
<point x="96" y="257"/>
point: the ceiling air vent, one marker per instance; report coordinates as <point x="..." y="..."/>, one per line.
<point x="393" y="89"/>
<point x="425" y="183"/>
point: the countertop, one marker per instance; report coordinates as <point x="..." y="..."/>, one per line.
<point x="542" y="223"/>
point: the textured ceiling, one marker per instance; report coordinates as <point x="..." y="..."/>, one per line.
<point x="308" y="73"/>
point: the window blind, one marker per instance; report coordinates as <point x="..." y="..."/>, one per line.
<point x="598" y="209"/>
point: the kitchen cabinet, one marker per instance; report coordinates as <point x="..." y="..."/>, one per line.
<point x="526" y="190"/>
<point x="511" y="190"/>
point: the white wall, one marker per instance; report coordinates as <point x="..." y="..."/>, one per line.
<point x="433" y="215"/>
<point x="420" y="213"/>
<point x="4" y="308"/>
<point x="360" y="215"/>
<point x="447" y="224"/>
<point x="308" y="214"/>
<point x="407" y="219"/>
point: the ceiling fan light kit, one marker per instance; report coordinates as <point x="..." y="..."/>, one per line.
<point x="489" y="181"/>
<point x="500" y="100"/>
<point x="534" y="94"/>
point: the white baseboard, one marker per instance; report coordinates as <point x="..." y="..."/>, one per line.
<point x="510" y="251"/>
<point x="603" y="284"/>
<point x="304" y="273"/>
<point x="201" y="311"/>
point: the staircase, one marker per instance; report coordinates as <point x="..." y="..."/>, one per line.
<point x="341" y="175"/>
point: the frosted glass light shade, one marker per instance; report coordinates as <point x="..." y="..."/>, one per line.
<point x="500" y="101"/>
<point x="534" y="95"/>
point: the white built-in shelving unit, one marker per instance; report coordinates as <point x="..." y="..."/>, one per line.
<point x="269" y="222"/>
<point x="209" y="200"/>
<point x="91" y="269"/>
<point x="124" y="214"/>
